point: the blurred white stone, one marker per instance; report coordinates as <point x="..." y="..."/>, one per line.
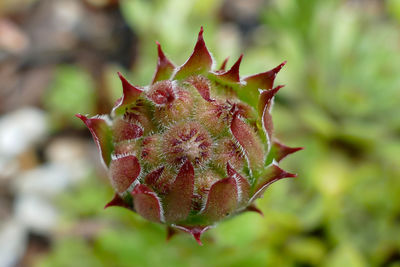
<point x="12" y="38"/>
<point x="8" y="168"/>
<point x="67" y="165"/>
<point x="12" y="243"/>
<point x="66" y="149"/>
<point x="47" y="180"/>
<point x="35" y="213"/>
<point x="20" y="130"/>
<point x="67" y="14"/>
<point x="71" y="153"/>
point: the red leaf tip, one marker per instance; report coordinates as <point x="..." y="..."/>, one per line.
<point x="279" y="67"/>
<point x="266" y="96"/>
<point x="82" y="117"/>
<point x="195" y="231"/>
<point x="282" y="173"/>
<point x="200" y="38"/>
<point x="117" y="201"/>
<point x="239" y="60"/>
<point x="164" y="66"/>
<point x="282" y="150"/>
<point x="254" y="208"/>
<point x="223" y="65"/>
<point x="130" y="92"/>
<point x="161" y="55"/>
<point x="232" y="75"/>
<point x="127" y="87"/>
<point x="199" y="62"/>
<point x="170" y="233"/>
<point x="197" y="238"/>
<point x="201" y="32"/>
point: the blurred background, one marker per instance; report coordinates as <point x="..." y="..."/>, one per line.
<point x="341" y="102"/>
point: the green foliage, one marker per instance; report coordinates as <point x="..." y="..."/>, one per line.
<point x="393" y="6"/>
<point x="71" y="92"/>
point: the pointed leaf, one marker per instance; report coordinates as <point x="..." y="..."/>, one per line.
<point x="123" y="172"/>
<point x="195" y="231"/>
<point x="280" y="150"/>
<point x="266" y="97"/>
<point x="101" y="134"/>
<point x="223" y="65"/>
<point x="124" y="130"/>
<point x="164" y="69"/>
<point x="264" y="80"/>
<point x="222" y="199"/>
<point x="254" y="208"/>
<point x="267" y="125"/>
<point x="179" y="199"/>
<point x="153" y="176"/>
<point x="243" y="186"/>
<point x="130" y="93"/>
<point x="248" y="139"/>
<point x="162" y="93"/>
<point x="264" y="106"/>
<point x="117" y="201"/>
<point x="202" y="85"/>
<point x="147" y="204"/>
<point x="254" y="83"/>
<point x="171" y="232"/>
<point x="273" y="173"/>
<point x="199" y="62"/>
<point x="231" y="75"/>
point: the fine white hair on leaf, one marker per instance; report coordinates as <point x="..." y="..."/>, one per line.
<point x="188" y="231"/>
<point x="103" y="117"/>
<point x="205" y="200"/>
<point x="243" y="151"/>
<point x="133" y="185"/>
<point x="204" y="204"/>
<point x="256" y="194"/>
<point x="162" y="214"/>
<point x="242" y="82"/>
<point x="267" y="109"/>
<point x="176" y="69"/>
<point x="238" y="186"/>
<point x="146" y="88"/>
<point x="122" y="155"/>
<point x="175" y="85"/>
<point x="213" y="62"/>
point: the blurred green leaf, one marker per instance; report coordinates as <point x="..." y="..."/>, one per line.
<point x="71" y="92"/>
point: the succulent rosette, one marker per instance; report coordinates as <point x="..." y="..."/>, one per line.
<point x="195" y="146"/>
